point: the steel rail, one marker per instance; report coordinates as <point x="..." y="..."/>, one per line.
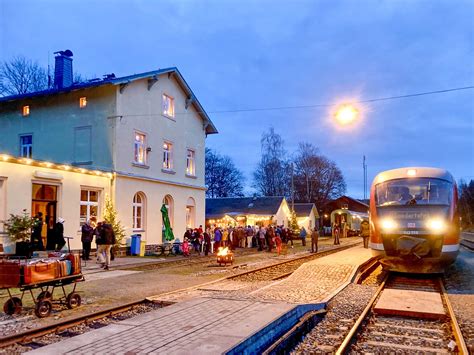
<point x="462" y="348"/>
<point x="361" y="318"/>
<point x="58" y="327"/>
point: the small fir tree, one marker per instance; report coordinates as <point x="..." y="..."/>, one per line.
<point x="110" y="217"/>
<point x="18" y="227"/>
<point x="294" y="223"/>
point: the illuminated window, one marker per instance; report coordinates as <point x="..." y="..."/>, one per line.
<point x="83" y="102"/>
<point x="139" y="148"/>
<point x="89" y="205"/>
<point x="190" y="164"/>
<point x="26" y="146"/>
<point x="167" y="156"/>
<point x="138" y="211"/>
<point x="26" y="110"/>
<point x="168" y="106"/>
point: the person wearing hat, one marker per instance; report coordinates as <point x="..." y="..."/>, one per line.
<point x="59" y="234"/>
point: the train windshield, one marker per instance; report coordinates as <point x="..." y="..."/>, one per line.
<point x="413" y="191"/>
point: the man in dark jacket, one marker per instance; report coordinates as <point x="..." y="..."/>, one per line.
<point x="86" y="238"/>
<point x="107" y="236"/>
<point x="36" y="238"/>
<point x="59" y="234"/>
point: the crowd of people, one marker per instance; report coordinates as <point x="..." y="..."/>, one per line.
<point x="263" y="238"/>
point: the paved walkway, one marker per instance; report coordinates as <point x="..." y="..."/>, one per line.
<point x="213" y="325"/>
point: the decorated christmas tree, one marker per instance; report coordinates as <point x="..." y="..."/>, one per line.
<point x="110" y="217"/>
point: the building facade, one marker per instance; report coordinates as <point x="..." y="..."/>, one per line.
<point x="141" y="137"/>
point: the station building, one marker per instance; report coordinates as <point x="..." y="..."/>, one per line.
<point x="139" y="139"/>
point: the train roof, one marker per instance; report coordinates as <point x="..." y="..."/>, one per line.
<point x="414" y="171"/>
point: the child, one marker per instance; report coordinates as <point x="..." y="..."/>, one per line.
<point x="278" y="243"/>
<point x="185" y="247"/>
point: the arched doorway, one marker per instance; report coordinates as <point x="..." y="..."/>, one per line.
<point x="169" y="203"/>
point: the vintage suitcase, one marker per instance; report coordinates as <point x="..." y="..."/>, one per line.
<point x="40" y="271"/>
<point x="68" y="267"/>
<point x="9" y="273"/>
<point x="63" y="269"/>
<point x="76" y="263"/>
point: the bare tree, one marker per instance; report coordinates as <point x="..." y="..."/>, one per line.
<point x="317" y="179"/>
<point x="273" y="174"/>
<point x="223" y="179"/>
<point x="466" y="203"/>
<point x="20" y="76"/>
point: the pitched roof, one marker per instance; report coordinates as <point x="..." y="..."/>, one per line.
<point x="210" y="128"/>
<point x="303" y="209"/>
<point x="233" y="206"/>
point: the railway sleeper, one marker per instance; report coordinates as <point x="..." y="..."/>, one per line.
<point x="377" y="347"/>
<point x="405" y="339"/>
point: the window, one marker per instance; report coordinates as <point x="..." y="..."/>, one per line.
<point x="140" y="151"/>
<point x="190" y="213"/>
<point x="190" y="164"/>
<point x="83" y="102"/>
<point x="167" y="156"/>
<point x="138" y="211"/>
<point x="89" y="205"/>
<point x="168" y="106"/>
<point x="26" y="110"/>
<point x="26" y="146"/>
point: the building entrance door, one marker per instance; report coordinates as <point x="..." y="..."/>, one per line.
<point x="44" y="200"/>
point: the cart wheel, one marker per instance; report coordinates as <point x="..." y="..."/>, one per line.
<point x="12" y="306"/>
<point x="43" y="294"/>
<point x="43" y="308"/>
<point x="73" y="300"/>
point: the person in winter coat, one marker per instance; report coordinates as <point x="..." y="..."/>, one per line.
<point x="217" y="238"/>
<point x="303" y="236"/>
<point x="278" y="243"/>
<point x="87" y="235"/>
<point x="107" y="236"/>
<point x="207" y="241"/>
<point x="314" y="240"/>
<point x="60" y="242"/>
<point x="36" y="238"/>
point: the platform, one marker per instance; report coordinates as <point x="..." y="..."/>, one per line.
<point x="216" y="325"/>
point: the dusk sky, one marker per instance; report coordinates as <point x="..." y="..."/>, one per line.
<point x="264" y="54"/>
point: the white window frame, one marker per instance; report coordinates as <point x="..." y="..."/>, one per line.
<point x="165" y="107"/>
<point x="28" y="147"/>
<point x="167" y="163"/>
<point x="190" y="168"/>
<point x="136" y="146"/>
<point x="89" y="203"/>
<point x="135" y="206"/>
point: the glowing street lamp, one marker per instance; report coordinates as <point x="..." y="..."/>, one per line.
<point x="346" y="114"/>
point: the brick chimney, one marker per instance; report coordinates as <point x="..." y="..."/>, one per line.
<point x="63" y="76"/>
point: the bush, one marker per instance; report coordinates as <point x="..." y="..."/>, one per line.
<point x="18" y="227"/>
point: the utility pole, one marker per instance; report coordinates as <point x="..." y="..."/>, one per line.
<point x="292" y="191"/>
<point x="364" y="166"/>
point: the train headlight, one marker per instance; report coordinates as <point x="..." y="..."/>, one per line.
<point x="436" y="225"/>
<point x="388" y="224"/>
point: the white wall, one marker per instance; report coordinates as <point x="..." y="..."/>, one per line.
<point x="18" y="188"/>
<point x="283" y="214"/>
<point x="155" y="191"/>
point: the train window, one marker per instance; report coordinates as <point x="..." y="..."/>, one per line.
<point x="420" y="191"/>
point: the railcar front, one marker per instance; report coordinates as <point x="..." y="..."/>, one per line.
<point x="414" y="225"/>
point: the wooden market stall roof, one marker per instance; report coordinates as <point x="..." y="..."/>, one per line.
<point x="237" y="206"/>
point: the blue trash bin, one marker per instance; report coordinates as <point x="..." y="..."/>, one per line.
<point x="135" y="244"/>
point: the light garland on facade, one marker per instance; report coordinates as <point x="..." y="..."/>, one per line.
<point x="39" y="163"/>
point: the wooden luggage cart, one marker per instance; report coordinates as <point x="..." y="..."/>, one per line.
<point x="45" y="298"/>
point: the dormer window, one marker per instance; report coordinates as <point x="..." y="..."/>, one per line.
<point x="168" y="106"/>
<point x="83" y="102"/>
<point x="26" y="111"/>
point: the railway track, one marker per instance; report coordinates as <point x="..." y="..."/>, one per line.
<point x="468" y="243"/>
<point x="405" y="332"/>
<point x="32" y="337"/>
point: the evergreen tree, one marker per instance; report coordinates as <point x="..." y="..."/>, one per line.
<point x="110" y="217"/>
